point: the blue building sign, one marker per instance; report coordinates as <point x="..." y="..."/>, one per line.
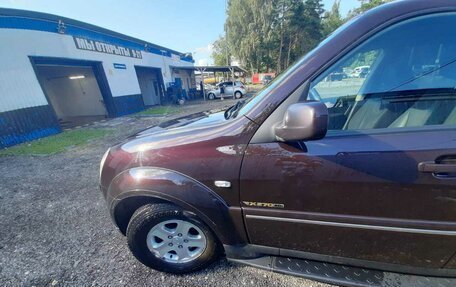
<point x="120" y="66"/>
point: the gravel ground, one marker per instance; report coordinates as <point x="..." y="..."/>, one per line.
<point x="56" y="231"/>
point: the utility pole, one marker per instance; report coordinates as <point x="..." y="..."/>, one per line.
<point x="226" y="35"/>
<point x="227" y="50"/>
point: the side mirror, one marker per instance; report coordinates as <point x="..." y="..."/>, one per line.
<point x="303" y="121"/>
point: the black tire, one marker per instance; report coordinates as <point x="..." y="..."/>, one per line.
<point x="211" y="96"/>
<point x="237" y="95"/>
<point x="147" y="217"/>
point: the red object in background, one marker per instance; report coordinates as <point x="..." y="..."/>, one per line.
<point x="255" y="78"/>
<point x="258" y="78"/>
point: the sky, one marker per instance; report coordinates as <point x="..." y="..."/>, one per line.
<point x="183" y="25"/>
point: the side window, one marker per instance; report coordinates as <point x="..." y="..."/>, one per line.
<point x="402" y="77"/>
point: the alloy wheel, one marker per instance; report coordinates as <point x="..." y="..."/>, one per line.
<point x="176" y="241"/>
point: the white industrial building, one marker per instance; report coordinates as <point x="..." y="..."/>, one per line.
<point x="56" y="71"/>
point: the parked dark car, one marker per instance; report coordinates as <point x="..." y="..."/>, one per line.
<point x="266" y="79"/>
<point x="359" y="174"/>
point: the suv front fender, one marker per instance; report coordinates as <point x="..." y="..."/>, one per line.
<point x="138" y="186"/>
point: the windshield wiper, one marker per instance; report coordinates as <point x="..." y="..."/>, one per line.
<point x="233" y="110"/>
<point x="228" y="112"/>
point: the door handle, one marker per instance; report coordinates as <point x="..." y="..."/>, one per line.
<point x="433" y="167"/>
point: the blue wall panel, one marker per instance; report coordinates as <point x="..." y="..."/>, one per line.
<point x="128" y="104"/>
<point x="27" y="124"/>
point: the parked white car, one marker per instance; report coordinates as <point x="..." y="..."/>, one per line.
<point x="360" y="72"/>
<point x="237" y="91"/>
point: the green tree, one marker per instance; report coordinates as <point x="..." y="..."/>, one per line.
<point x="249" y="32"/>
<point x="221" y="52"/>
<point x="298" y="29"/>
<point x="283" y="14"/>
<point x="332" y="19"/>
<point x="312" y="31"/>
<point x="271" y="34"/>
<point x="367" y="5"/>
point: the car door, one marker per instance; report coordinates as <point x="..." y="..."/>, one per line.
<point x="229" y="88"/>
<point x="381" y="186"/>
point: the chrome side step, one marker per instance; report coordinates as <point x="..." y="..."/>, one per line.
<point x="343" y="275"/>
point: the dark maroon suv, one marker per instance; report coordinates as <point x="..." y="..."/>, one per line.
<point x="359" y="173"/>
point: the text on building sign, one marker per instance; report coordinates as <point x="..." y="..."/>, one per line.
<point x="97" y="46"/>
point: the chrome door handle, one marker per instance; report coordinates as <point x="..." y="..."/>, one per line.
<point x="433" y="167"/>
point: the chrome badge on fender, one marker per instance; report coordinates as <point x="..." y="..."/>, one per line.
<point x="264" y="204"/>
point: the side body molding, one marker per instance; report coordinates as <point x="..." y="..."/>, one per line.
<point x="141" y="185"/>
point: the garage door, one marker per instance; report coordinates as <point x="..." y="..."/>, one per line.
<point x="149" y="83"/>
<point x="73" y="92"/>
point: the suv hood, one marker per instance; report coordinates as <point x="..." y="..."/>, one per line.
<point x="183" y="130"/>
<point x="197" y="119"/>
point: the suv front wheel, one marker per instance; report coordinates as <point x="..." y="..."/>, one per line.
<point x="237" y="95"/>
<point x="162" y="237"/>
